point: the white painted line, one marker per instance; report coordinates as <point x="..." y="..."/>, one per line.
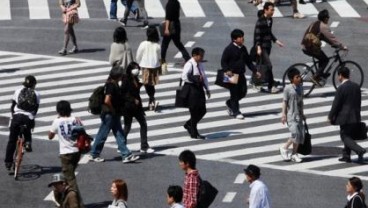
<point x="350" y="170"/>
<point x="154" y="8"/>
<point x="229" y="197"/>
<point x="107" y="7"/>
<point x="189" y="44"/>
<point x="5" y="11"/>
<point x="335" y="23"/>
<point x="366" y="1"/>
<point x="38" y="9"/>
<point x="84" y="159"/>
<point x="343" y="8"/>
<point x="240" y="178"/>
<point x="198" y="34"/>
<point x="191" y="8"/>
<point x="210" y="23"/>
<point x="178" y="55"/>
<point x="82" y="10"/>
<point x="229" y="8"/>
<point x="308" y="9"/>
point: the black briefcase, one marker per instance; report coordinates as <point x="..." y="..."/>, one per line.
<point x="360" y="131"/>
<point x="306" y="147"/>
<point x="181" y="97"/>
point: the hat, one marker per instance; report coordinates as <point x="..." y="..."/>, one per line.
<point x="57" y="178"/>
<point x="29" y="81"/>
<point x="253" y="170"/>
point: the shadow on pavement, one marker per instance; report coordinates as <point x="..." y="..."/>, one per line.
<point x="32" y="172"/>
<point x="12" y="70"/>
<point x="91" y="50"/>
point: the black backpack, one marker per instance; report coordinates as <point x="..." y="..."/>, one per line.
<point x="96" y="100"/>
<point x="207" y="194"/>
<point x="27" y="100"/>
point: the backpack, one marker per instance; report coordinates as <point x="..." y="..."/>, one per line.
<point x="96" y="100"/>
<point x="311" y="41"/>
<point x="27" y="100"/>
<point x="84" y="140"/>
<point x="207" y="194"/>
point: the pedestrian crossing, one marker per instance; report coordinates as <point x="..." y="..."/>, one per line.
<point x="91" y="9"/>
<point x="256" y="139"/>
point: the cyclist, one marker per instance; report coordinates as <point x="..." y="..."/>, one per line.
<point x="321" y="30"/>
<point x="24" y="108"/>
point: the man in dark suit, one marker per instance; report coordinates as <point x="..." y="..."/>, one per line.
<point x="345" y="111"/>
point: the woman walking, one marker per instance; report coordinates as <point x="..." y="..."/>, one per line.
<point x="130" y="90"/>
<point x="70" y="17"/>
<point x="356" y="197"/>
<point x="120" y="52"/>
<point x="148" y="57"/>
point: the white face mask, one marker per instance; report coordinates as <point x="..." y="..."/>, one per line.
<point x="135" y="72"/>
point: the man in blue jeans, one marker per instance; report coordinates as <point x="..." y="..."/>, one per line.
<point x="114" y="7"/>
<point x="111" y="120"/>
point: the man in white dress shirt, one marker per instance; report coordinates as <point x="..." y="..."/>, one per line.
<point x="259" y="196"/>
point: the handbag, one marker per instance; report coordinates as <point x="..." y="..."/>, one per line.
<point x="306" y="147"/>
<point x="262" y="69"/>
<point x="172" y="29"/>
<point x="223" y="80"/>
<point x="72" y="16"/>
<point x="207" y="194"/>
<point x="361" y="132"/>
<point x="181" y="96"/>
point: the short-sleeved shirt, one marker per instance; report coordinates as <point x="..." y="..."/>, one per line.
<point x="63" y="126"/>
<point x="20" y="111"/>
<point x="293" y="96"/>
<point x="113" y="90"/>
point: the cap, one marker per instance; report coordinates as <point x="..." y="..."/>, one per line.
<point x="253" y="170"/>
<point x="29" y="81"/>
<point x="56" y="178"/>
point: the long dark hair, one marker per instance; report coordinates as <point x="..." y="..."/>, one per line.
<point x="357" y="184"/>
<point x="152" y="35"/>
<point x="120" y="35"/>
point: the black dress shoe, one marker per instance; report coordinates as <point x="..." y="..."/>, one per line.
<point x="198" y="137"/>
<point x="345" y="159"/>
<point x="188" y="128"/>
<point x="302" y="2"/>
<point x="360" y="157"/>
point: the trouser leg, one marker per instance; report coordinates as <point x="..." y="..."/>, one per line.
<point x="179" y="45"/>
<point x="164" y="45"/>
<point x="118" y="132"/>
<point x="346" y="132"/>
<point x="127" y="10"/>
<point x="150" y="89"/>
<point x="267" y="61"/>
<point x="143" y="130"/>
<point x="142" y="9"/>
<point x="128" y="119"/>
<point x="113" y="9"/>
<point x="103" y="132"/>
<point x="196" y="115"/>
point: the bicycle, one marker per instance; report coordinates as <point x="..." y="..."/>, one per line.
<point x="19" y="151"/>
<point x="308" y="71"/>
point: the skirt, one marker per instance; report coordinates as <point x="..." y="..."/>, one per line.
<point x="150" y="76"/>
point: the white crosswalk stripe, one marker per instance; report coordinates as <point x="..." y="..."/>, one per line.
<point x="255" y="139"/>
<point x="40" y="9"/>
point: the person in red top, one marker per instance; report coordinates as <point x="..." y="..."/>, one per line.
<point x="187" y="162"/>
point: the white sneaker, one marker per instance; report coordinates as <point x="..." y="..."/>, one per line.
<point x="296" y="158"/>
<point x="239" y="116"/>
<point x="284" y="154"/>
<point x="298" y="15"/>
<point x="147" y="151"/>
<point x="275" y="90"/>
<point x="130" y="158"/>
<point x="95" y="159"/>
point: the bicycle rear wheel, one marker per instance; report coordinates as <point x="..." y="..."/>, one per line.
<point x="356" y="73"/>
<point x="18" y="157"/>
<point x="306" y="73"/>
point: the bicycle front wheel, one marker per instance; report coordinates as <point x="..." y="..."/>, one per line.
<point x="356" y="73"/>
<point x="306" y="73"/>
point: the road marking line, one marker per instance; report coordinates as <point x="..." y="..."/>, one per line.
<point x="38" y="9"/>
<point x="178" y="55"/>
<point x="229" y="8"/>
<point x="198" y="34"/>
<point x="5" y="11"/>
<point x="191" y="8"/>
<point x="84" y="159"/>
<point x="366" y="1"/>
<point x="308" y="10"/>
<point x="107" y="7"/>
<point x="343" y="8"/>
<point x="82" y="10"/>
<point x="210" y="23"/>
<point x="240" y="178"/>
<point x="335" y="23"/>
<point x="229" y="197"/>
<point x="189" y="44"/>
<point x="154" y="8"/>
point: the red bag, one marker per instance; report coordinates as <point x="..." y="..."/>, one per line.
<point x="84" y="142"/>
